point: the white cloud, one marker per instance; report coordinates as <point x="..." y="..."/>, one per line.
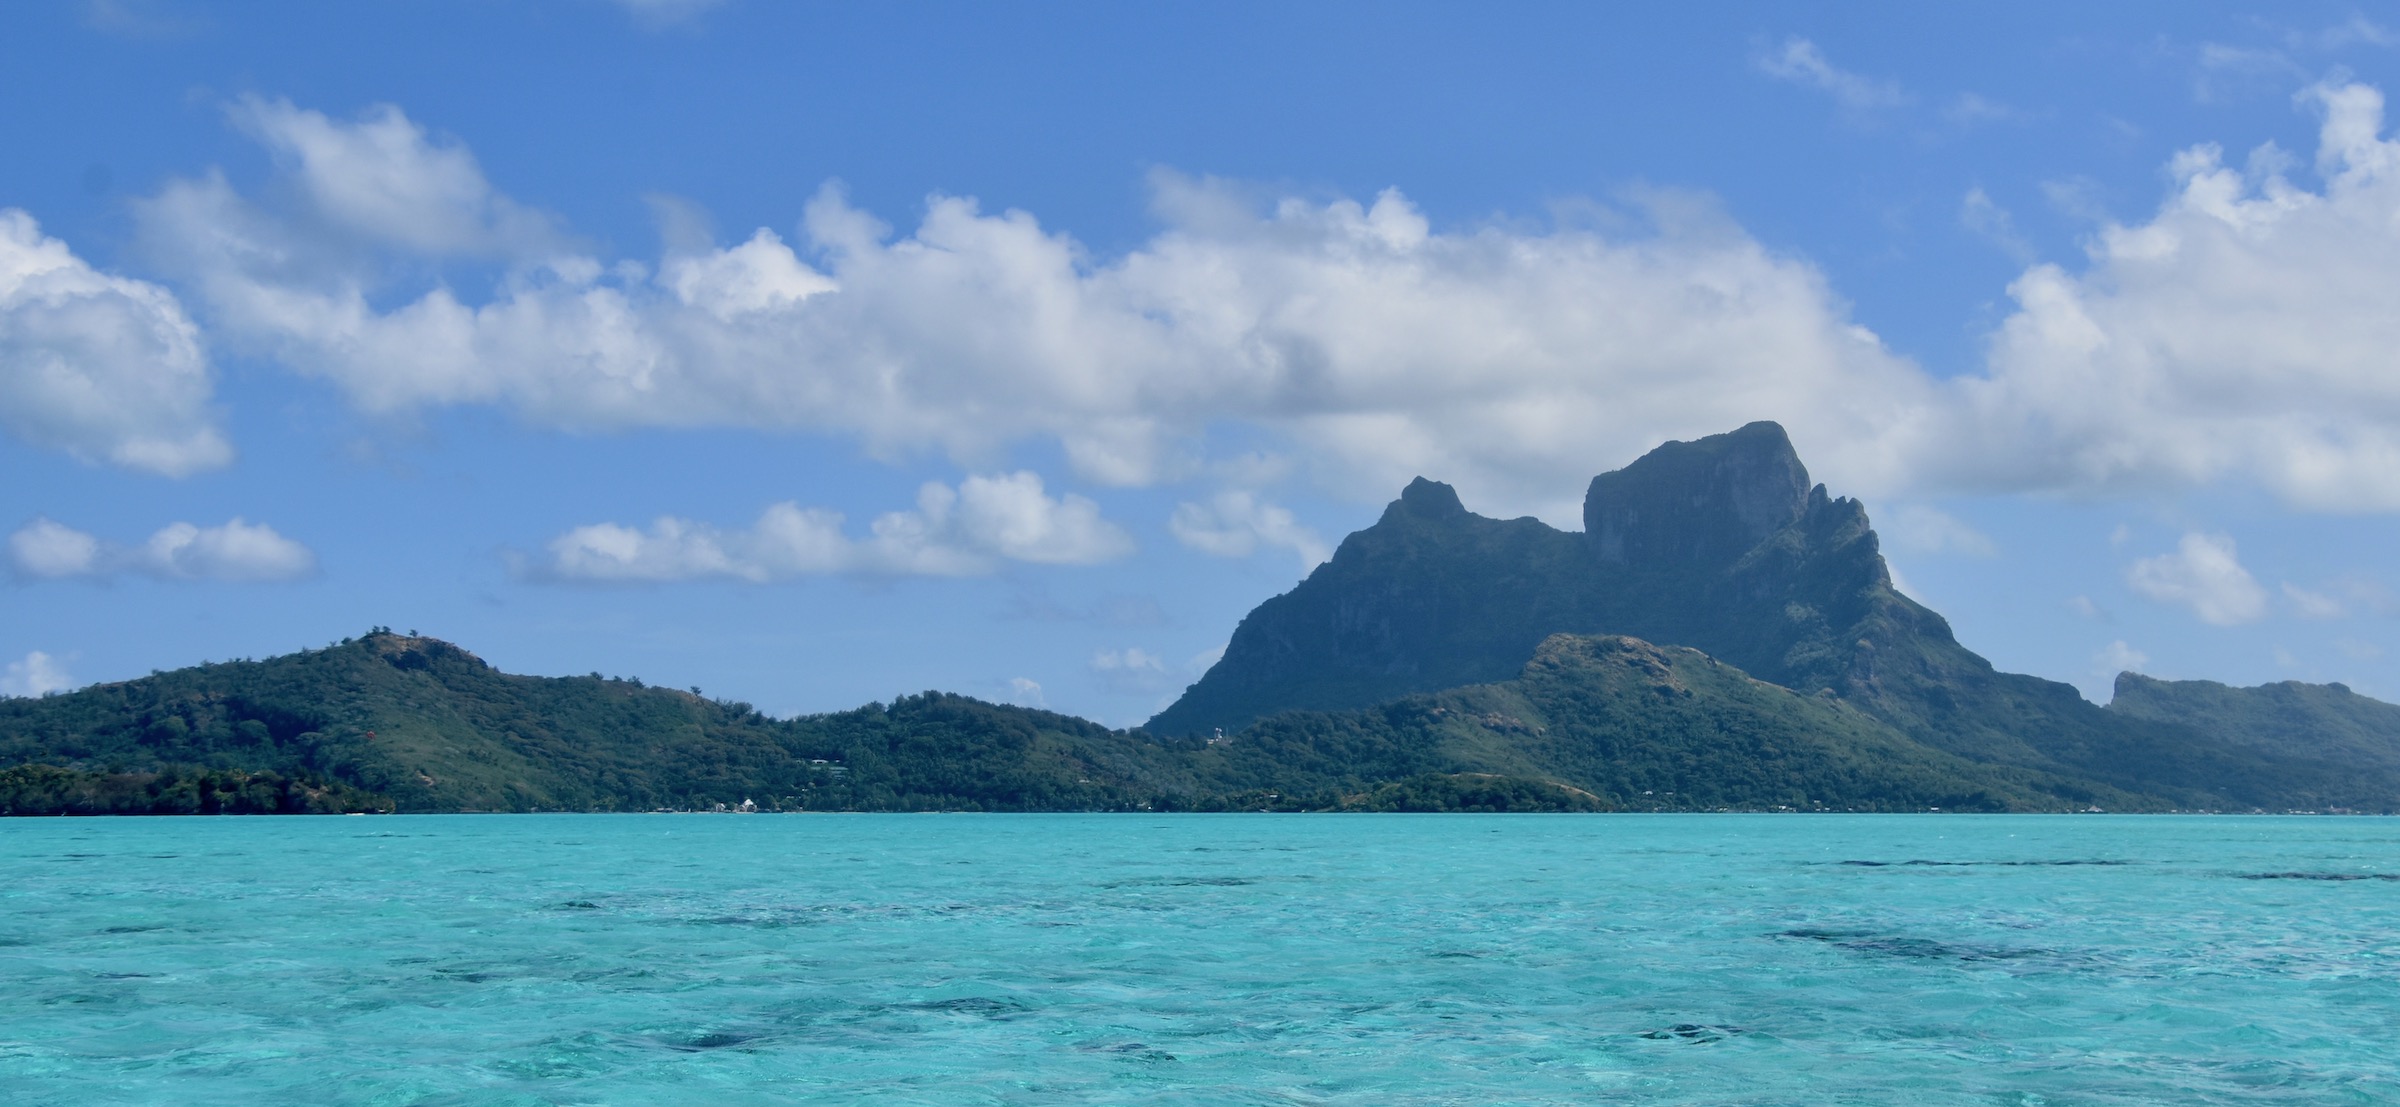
<point x="382" y="179"/>
<point x="1376" y="346"/>
<point x="2083" y="606"/>
<point x="106" y="368"/>
<point x="1799" y="61"/>
<point x="2203" y="575"/>
<point x="2245" y="331"/>
<point x="1026" y="692"/>
<point x="1917" y="528"/>
<point x="51" y="550"/>
<point x="2312" y="605"/>
<point x="1237" y="523"/>
<point x="234" y="551"/>
<point x="958" y="531"/>
<point x="39" y="674"/>
<point x="2241" y="333"/>
<point x="2119" y="657"/>
<point x="2357" y="649"/>
<point x="2116" y="657"/>
<point x="1134" y="671"/>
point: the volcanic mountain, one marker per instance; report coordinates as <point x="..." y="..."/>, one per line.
<point x="1725" y="546"/>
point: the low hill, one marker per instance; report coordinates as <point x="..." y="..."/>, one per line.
<point x="434" y="728"/>
<point x="389" y="721"/>
<point x="2332" y="748"/>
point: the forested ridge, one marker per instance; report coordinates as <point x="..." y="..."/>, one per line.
<point x="1441" y="661"/>
<point x="397" y="722"/>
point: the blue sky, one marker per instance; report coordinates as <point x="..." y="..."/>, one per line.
<point x="812" y="354"/>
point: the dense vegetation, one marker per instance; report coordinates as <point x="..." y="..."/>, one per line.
<point x="1724" y="546"/>
<point x="51" y="790"/>
<point x="388" y="720"/>
<point x="2325" y="746"/>
<point x="392" y="721"/>
<point x="1441" y="661"/>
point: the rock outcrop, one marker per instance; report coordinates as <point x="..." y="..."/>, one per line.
<point x="1721" y="544"/>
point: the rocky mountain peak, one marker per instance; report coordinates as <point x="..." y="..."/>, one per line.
<point x="1700" y="503"/>
<point x="1428" y="499"/>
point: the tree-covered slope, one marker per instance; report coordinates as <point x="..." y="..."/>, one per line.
<point x="1722" y="545"/>
<point x="435" y="729"/>
<point x="1642" y="727"/>
<point x="2326" y="746"/>
<point x="417" y="724"/>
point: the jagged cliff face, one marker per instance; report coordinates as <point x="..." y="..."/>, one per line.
<point x="1720" y="544"/>
<point x="1689" y="504"/>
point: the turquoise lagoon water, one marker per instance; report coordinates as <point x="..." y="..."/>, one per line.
<point x="1246" y="959"/>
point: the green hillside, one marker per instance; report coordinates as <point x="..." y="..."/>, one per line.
<point x="433" y="728"/>
<point x="414" y="724"/>
<point x="1642" y="727"/>
<point x="1721" y="545"/>
<point x="2333" y="749"/>
<point x="1723" y="634"/>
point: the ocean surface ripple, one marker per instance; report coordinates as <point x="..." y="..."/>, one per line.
<point x="1239" y="959"/>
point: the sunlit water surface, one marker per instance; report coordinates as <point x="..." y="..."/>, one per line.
<point x="1306" y="959"/>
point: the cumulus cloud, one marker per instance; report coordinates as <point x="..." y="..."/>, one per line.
<point x="1236" y="523"/>
<point x="39" y="674"/>
<point x="2246" y="330"/>
<point x="962" y="531"/>
<point x="106" y="368"/>
<point x="1799" y="61"/>
<point x="1378" y="346"/>
<point x="2203" y="575"/>
<point x="234" y="551"/>
<point x="381" y="178"/>
<point x="2240" y="333"/>
<point x="50" y="550"/>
